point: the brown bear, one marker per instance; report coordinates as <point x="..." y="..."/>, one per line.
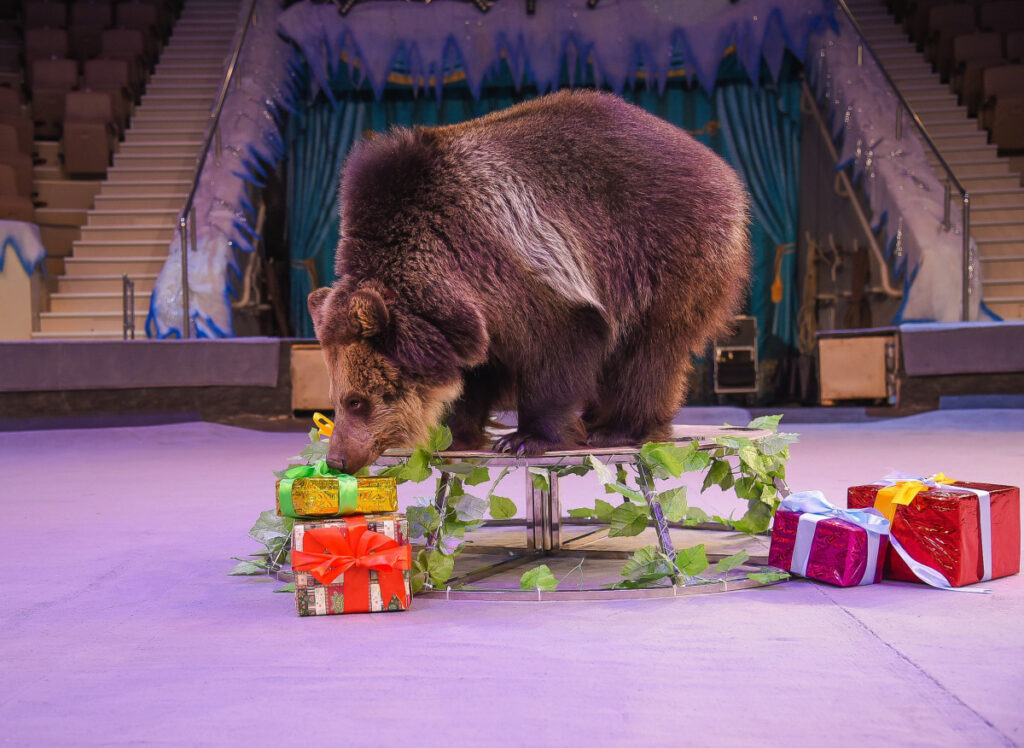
<point x="564" y="257"/>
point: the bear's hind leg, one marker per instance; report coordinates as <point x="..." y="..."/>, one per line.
<point x="641" y="389"/>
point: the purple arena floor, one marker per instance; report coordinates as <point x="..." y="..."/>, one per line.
<point x="119" y="624"/>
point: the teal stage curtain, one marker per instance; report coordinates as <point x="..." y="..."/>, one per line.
<point x="319" y="137"/>
<point x="756" y="129"/>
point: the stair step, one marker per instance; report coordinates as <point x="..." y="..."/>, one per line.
<point x="140" y="333"/>
<point x="97" y="302"/>
<point x="48" y="151"/>
<point x="161" y="120"/>
<point x="981" y="169"/>
<point x="125" y="217"/>
<point x="158" y="201"/>
<point x="82" y="266"/>
<point x="991" y="183"/>
<point x="110" y="283"/>
<point x="1000" y="247"/>
<point x="997" y="198"/>
<point x="183" y="89"/>
<point x="139" y="136"/>
<point x="155" y="161"/>
<point x="128" y="233"/>
<point x="185" y="78"/>
<point x="138" y="249"/>
<point x="144" y="173"/>
<point x="63" y="322"/>
<point x="1006" y="288"/>
<point x="1010" y="309"/>
<point x="952" y="127"/>
<point x="175" y="98"/>
<point x="930" y="98"/>
<point x="66" y="193"/>
<point x="996" y="267"/>
<point x="140" y="187"/>
<point x="965" y="140"/>
<point x="73" y="217"/>
<point x="165" y="148"/>
<point x="965" y="154"/>
<point x="997" y="215"/>
<point x="982" y="229"/>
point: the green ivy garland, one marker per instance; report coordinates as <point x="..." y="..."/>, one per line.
<point x="759" y="463"/>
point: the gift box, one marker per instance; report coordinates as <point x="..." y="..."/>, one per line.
<point x="318" y="491"/>
<point x="967" y="532"/>
<point x="815" y="539"/>
<point x="358" y="564"/>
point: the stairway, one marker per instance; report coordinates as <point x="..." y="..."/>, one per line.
<point x="132" y="221"/>
<point x="997" y="199"/>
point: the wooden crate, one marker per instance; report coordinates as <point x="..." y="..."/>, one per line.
<point x="861" y="367"/>
<point x="310" y="381"/>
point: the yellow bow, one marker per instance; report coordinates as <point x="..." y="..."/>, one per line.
<point x="324" y="424"/>
<point x="890" y="497"/>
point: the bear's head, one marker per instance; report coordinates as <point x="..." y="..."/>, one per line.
<point x="392" y="372"/>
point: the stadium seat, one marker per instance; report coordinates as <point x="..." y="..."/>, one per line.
<point x="13" y="206"/>
<point x="89" y="133"/>
<point x="88" y="22"/>
<point x="111" y="76"/>
<point x="51" y="81"/>
<point x="45" y="14"/>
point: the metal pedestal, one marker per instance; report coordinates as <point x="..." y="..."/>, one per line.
<point x="544" y="522"/>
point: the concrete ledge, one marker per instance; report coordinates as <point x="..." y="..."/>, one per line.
<point x="39" y="366"/>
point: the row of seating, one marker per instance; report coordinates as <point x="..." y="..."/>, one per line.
<point x="978" y="48"/>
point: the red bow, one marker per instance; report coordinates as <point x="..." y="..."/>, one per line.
<point x="352" y="550"/>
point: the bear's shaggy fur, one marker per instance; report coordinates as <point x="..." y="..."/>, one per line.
<point x="564" y="257"/>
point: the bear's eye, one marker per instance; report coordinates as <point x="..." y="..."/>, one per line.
<point x="356" y="406"/>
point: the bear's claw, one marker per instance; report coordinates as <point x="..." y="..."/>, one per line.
<point x="524" y="445"/>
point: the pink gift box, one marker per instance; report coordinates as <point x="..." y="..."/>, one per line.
<point x="839" y="551"/>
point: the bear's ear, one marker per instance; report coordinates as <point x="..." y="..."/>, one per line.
<point x="368" y="315"/>
<point x="420" y="349"/>
<point x="317" y="310"/>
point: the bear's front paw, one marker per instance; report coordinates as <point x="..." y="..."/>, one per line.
<point x="524" y="444"/>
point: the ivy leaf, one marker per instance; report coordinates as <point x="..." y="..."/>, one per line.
<point x="417" y="469"/>
<point x="469" y="508"/>
<point x="731" y="562"/>
<point x="765" y="422"/>
<point x="734" y="443"/>
<point x="756" y="518"/>
<point x="423" y="520"/>
<point x="695" y="458"/>
<point x="604" y="473"/>
<point x="538" y="578"/>
<point x="539" y="476"/>
<point x="720" y="474"/>
<point x="648" y="565"/>
<point x="776" y="443"/>
<point x="673" y="503"/>
<point x="665" y="458"/>
<point x="628" y="520"/>
<point x="603" y="510"/>
<point x="502" y="508"/>
<point x="767" y="577"/>
<point x="696" y="516"/>
<point x="248" y="569"/>
<point x="583" y="513"/>
<point x="478" y="476"/>
<point x="572" y="470"/>
<point x="392" y="471"/>
<point x="748" y="488"/>
<point x="439" y="567"/>
<point x="314" y="451"/>
<point x="629" y="493"/>
<point x="439" y="440"/>
<point x="620" y="474"/>
<point x="459" y="468"/>
<point x="692" y="561"/>
<point x="290" y="587"/>
<point x="750" y="457"/>
<point x="269" y="526"/>
<point x="768" y="494"/>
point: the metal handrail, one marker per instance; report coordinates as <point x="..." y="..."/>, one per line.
<point x="127" y="307"/>
<point x="212" y="132"/>
<point x="951" y="177"/>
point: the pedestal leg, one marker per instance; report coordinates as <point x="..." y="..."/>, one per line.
<point x="660" y="523"/>
<point x="444" y="484"/>
<point x="543" y="514"/>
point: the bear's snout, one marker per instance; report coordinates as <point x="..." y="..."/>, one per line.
<point x="336" y="463"/>
<point x="350" y="454"/>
